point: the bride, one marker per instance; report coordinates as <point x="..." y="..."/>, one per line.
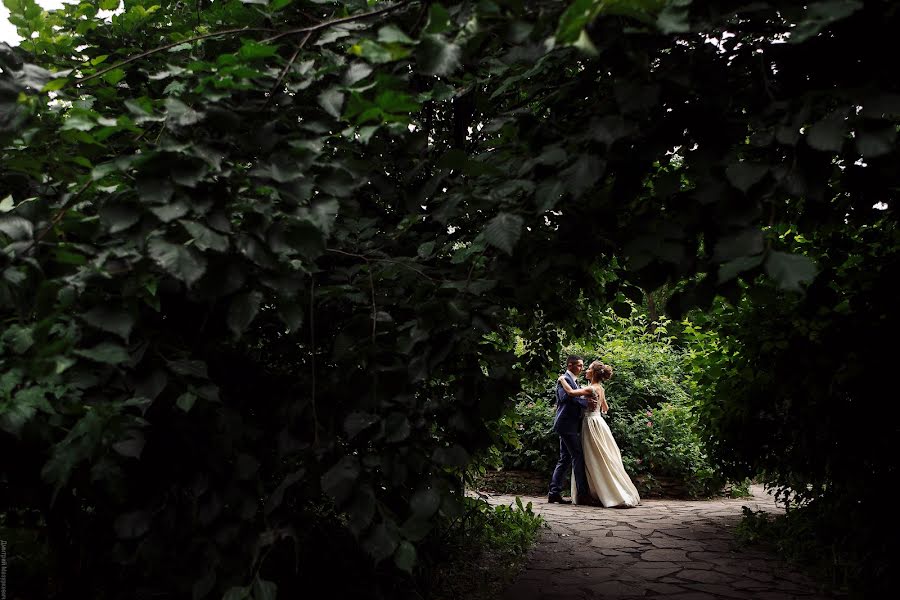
<point x="607" y="480"/>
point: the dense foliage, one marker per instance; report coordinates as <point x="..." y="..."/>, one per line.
<point x="253" y="250"/>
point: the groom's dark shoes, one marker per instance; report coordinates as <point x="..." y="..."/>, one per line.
<point x="558" y="499"/>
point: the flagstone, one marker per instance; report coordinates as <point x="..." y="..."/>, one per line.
<point x="663" y="548"/>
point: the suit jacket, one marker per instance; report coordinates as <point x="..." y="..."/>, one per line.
<point x="569" y="409"/>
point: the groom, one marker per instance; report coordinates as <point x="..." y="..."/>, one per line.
<point x="569" y="412"/>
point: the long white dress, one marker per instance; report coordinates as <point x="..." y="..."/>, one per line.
<point x="607" y="480"/>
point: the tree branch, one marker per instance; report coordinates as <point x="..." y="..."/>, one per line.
<point x="287" y="68"/>
<point x="57" y="217"/>
<point x="310" y="29"/>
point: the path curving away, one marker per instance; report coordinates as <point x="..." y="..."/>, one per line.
<point x="680" y="549"/>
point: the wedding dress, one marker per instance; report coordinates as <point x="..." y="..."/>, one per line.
<point x="606" y="476"/>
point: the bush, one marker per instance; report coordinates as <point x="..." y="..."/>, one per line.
<point x="480" y="553"/>
<point x="538" y="445"/>
<point x="664" y="443"/>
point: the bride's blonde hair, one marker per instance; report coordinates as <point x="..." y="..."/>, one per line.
<point x="599" y="371"/>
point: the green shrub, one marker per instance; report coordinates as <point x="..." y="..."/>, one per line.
<point x="664" y="442"/>
<point x="538" y="447"/>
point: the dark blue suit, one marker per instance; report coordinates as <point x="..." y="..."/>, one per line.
<point x="567" y="423"/>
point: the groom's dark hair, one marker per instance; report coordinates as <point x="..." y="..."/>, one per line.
<point x="573" y="358"/>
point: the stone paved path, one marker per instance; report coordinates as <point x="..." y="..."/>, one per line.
<point x="662" y="549"/>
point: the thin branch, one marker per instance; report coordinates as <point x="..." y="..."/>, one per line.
<point x="312" y="354"/>
<point x="310" y="29"/>
<point x="159" y="49"/>
<point x="327" y="24"/>
<point x="287" y="68"/>
<point x="374" y="311"/>
<point x="385" y="260"/>
<point x="57" y="217"/>
<point x="368" y="262"/>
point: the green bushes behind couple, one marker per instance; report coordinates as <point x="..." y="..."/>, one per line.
<point x="651" y="413"/>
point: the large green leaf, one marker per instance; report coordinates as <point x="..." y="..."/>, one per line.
<point x="503" y="231"/>
<point x="438" y="56"/>
<point x="381" y="543"/>
<point x="110" y="318"/>
<point x="105" y="352"/>
<point x="820" y="15"/>
<point x="331" y="101"/>
<point x="242" y="310"/>
<point x="339" y="481"/>
<point x="790" y="270"/>
<point x="179" y="261"/>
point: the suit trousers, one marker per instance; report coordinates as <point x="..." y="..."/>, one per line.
<point x="571" y="456"/>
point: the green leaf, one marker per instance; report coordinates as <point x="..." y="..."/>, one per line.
<point x="741" y="243"/>
<point x="583" y="174"/>
<point x="438" y="19"/>
<point x="872" y="143"/>
<point x="20" y="338"/>
<point x="405" y="556"/>
<point x="16" y="228"/>
<point x="573" y="20"/>
<point x="674" y="18"/>
<point x="362" y="509"/>
<point x="186" y="401"/>
<point x="179" y="114"/>
<point x="264" y="590"/>
<point x="820" y="15"/>
<point x="437" y="56"/>
<point x="114" y="76"/>
<point x="503" y="231"/>
<point x="55" y="85"/>
<point x="131" y="447"/>
<point x="7" y="204"/>
<point x="425" y="503"/>
<point x="393" y="34"/>
<point x="828" y="134"/>
<point x="339" y="481"/>
<point x="425" y="250"/>
<point x="204" y="237"/>
<point x="242" y="310"/>
<point x="110" y="318"/>
<point x="120" y="216"/>
<point x="132" y="525"/>
<point x="453" y="456"/>
<point x="356" y="422"/>
<point x="182" y="263"/>
<point x="191" y="368"/>
<point x="237" y="593"/>
<point x="397" y="424"/>
<point x="357" y="72"/>
<point x="731" y="269"/>
<point x="253" y="50"/>
<point x="743" y="175"/>
<point x="155" y="190"/>
<point x="331" y="100"/>
<point x="105" y="352"/>
<point x="292" y="315"/>
<point x="109" y="4"/>
<point x="377" y="53"/>
<point x="790" y="270"/>
<point x="24" y="405"/>
<point x="380" y="543"/>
